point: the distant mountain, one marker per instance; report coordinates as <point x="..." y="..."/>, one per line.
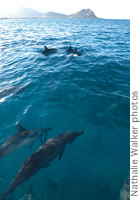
<point x="55" y="15"/>
<point x="22" y="12"/>
<point x="84" y="13"/>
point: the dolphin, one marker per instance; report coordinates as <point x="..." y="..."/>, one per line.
<point x="125" y="191"/>
<point x="78" y="53"/>
<point x="74" y="51"/>
<point x="48" y="51"/>
<point x="42" y="158"/>
<point x="22" y="138"/>
<point x="12" y="90"/>
<point x="70" y="49"/>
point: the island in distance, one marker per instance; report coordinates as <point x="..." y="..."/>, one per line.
<point x="84" y="13"/>
<point x="23" y="12"/>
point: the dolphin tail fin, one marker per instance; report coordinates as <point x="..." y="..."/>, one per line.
<point x="41" y="140"/>
<point x="46" y="134"/>
<point x="5" y="194"/>
<point x="43" y="137"/>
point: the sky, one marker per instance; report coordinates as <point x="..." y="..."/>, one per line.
<point x="112" y="9"/>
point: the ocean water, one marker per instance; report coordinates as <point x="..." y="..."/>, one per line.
<point x="88" y="92"/>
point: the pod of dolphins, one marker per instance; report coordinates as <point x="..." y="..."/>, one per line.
<point x="42" y="158"/>
<point x="48" y="150"/>
<point x="71" y="50"/>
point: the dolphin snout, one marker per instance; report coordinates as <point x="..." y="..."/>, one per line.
<point x="81" y="132"/>
<point x="48" y="129"/>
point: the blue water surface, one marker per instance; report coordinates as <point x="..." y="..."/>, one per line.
<point x="88" y="92"/>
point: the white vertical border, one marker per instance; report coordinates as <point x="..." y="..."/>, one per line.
<point x="135" y="82"/>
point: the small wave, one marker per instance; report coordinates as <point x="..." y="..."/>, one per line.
<point x="2" y="100"/>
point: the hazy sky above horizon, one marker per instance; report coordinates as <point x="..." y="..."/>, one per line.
<point x="118" y="9"/>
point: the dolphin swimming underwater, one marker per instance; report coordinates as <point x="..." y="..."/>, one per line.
<point x="12" y="90"/>
<point x="48" y="51"/>
<point x="125" y="191"/>
<point x="22" y="138"/>
<point x="42" y="158"/>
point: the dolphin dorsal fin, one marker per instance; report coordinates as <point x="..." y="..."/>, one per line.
<point x="45" y="48"/>
<point x="21" y="128"/>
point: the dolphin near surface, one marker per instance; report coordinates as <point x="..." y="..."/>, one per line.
<point x="12" y="90"/>
<point x="70" y="49"/>
<point x="42" y="158"/>
<point x="23" y="137"/>
<point x="48" y="51"/>
<point x="74" y="51"/>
